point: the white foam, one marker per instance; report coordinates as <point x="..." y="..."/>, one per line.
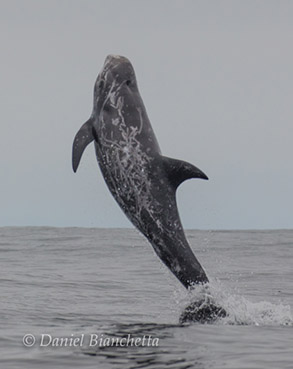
<point x="240" y="311"/>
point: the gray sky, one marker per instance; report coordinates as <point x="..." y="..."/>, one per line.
<point x="216" y="78"/>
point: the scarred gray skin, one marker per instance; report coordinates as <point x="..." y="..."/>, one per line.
<point x="142" y="181"/>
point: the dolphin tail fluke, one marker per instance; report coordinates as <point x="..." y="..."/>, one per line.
<point x="178" y="171"/>
<point x="83" y="137"/>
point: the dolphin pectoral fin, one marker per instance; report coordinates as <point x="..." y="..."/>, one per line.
<point x="83" y="137"/>
<point x="178" y="170"/>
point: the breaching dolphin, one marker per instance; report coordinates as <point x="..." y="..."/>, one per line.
<point x="140" y="178"/>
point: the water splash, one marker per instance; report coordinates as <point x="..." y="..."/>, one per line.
<point x="240" y="311"/>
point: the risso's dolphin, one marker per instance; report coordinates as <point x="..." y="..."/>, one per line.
<point x="140" y="178"/>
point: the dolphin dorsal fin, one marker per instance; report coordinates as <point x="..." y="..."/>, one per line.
<point x="83" y="137"/>
<point x="178" y="171"/>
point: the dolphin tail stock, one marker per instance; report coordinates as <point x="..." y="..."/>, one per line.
<point x="170" y="243"/>
<point x="83" y="137"/>
<point x="191" y="272"/>
<point x="178" y="171"/>
<point x="173" y="249"/>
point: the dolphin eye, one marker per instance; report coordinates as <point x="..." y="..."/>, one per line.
<point x="128" y="82"/>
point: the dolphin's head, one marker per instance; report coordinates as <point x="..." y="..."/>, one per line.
<point x="116" y="76"/>
<point x="117" y="68"/>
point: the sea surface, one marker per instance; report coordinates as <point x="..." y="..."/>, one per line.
<point x="103" y="287"/>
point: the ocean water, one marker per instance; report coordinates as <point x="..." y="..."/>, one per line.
<point x="102" y="287"/>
